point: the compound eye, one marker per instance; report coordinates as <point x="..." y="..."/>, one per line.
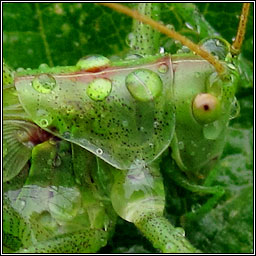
<point x="206" y="108"/>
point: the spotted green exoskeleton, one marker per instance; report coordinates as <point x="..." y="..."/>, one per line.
<point x="82" y="144"/>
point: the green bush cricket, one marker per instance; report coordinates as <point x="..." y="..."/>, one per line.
<point x="93" y="109"/>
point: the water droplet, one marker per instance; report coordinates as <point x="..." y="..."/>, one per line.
<point x="44" y="83"/>
<point x="70" y="109"/>
<point x="99" y="151"/>
<point x="78" y="181"/>
<point x="144" y="85"/>
<point x="231" y="66"/>
<point x="66" y="135"/>
<point x="43" y="123"/>
<point x="188" y="25"/>
<point x="235" y="109"/>
<point x="133" y="56"/>
<point x="212" y="131"/>
<point x="131" y="40"/>
<point x="180" y="231"/>
<point x="170" y="247"/>
<point x="43" y="118"/>
<point x="151" y="145"/>
<point x="181" y="145"/>
<point x="52" y="141"/>
<point x="142" y="128"/>
<point x="20" y="69"/>
<point x="161" y="51"/>
<point x="43" y="66"/>
<point x="170" y="26"/>
<point x="22" y="204"/>
<point x="93" y="63"/>
<point x="49" y="162"/>
<point x="125" y="123"/>
<point x="163" y="68"/>
<point x="99" y="89"/>
<point x="156" y="125"/>
<point x="195" y="207"/>
<point x="57" y="161"/>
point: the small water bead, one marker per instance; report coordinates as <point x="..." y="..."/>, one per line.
<point x="52" y="141"/>
<point x="156" y="124"/>
<point x="43" y="66"/>
<point x="235" y="109"/>
<point x="214" y="84"/>
<point x="141" y="128"/>
<point x="195" y="207"/>
<point x="93" y="62"/>
<point x="20" y="69"/>
<point x="43" y="123"/>
<point x="231" y="66"/>
<point x="99" y="151"/>
<point x="77" y="180"/>
<point x="170" y="247"/>
<point x="161" y="50"/>
<point x="151" y="145"/>
<point x="144" y="85"/>
<point x="163" y="68"/>
<point x="212" y="131"/>
<point x="133" y="57"/>
<point x="70" y="109"/>
<point x="130" y="40"/>
<point x="99" y="89"/>
<point x="188" y="25"/>
<point x="180" y="231"/>
<point x="44" y="83"/>
<point x="43" y="118"/>
<point x="125" y="123"/>
<point x="22" y="204"/>
<point x="66" y="135"/>
<point x="57" y="161"/>
<point x="181" y="145"/>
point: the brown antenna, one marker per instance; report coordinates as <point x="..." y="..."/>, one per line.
<point x="236" y="46"/>
<point x="171" y="33"/>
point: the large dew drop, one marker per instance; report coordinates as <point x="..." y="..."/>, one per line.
<point x="212" y="131"/>
<point x="93" y="63"/>
<point x="99" y="89"/>
<point x="44" y="83"/>
<point x="144" y="85"/>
